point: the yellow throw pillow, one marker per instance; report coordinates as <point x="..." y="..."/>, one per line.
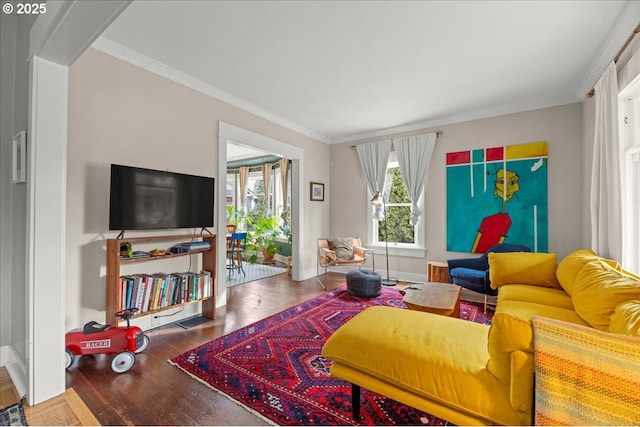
<point x="570" y="266"/>
<point x="525" y="268"/>
<point x="626" y="319"/>
<point x="598" y="289"/>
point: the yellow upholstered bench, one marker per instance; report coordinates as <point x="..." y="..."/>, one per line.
<point x="383" y="350"/>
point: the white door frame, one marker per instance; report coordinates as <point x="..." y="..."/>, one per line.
<point x="228" y="133"/>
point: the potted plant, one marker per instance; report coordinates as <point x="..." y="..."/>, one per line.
<point x="263" y="233"/>
<point x="234" y="216"/>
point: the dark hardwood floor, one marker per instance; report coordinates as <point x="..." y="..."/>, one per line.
<point x="154" y="392"/>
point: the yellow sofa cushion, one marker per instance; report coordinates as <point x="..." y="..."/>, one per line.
<point x="536" y="294"/>
<point x="511" y="331"/>
<point x="438" y="357"/>
<point x="570" y="266"/>
<point x="626" y="318"/>
<point x="599" y="288"/>
<point x="526" y="268"/>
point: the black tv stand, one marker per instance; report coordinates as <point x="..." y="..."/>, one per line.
<point x="121" y="235"/>
<point x="205" y="229"/>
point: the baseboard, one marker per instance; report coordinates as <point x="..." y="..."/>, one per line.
<point x="16" y="368"/>
<point x="403" y="277"/>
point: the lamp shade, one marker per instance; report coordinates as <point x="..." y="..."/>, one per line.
<point x="377" y="199"/>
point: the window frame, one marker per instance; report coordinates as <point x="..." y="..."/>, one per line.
<point x="418" y="248"/>
<point x="629" y="100"/>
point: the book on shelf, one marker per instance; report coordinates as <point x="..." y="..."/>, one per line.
<point x="196" y="246"/>
<point x="148" y="292"/>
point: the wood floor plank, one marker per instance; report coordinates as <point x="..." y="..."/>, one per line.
<point x="8" y="393"/>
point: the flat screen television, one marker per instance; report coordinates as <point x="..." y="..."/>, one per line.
<point x="147" y="199"/>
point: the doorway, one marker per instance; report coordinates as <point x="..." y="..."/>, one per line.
<point x="230" y="134"/>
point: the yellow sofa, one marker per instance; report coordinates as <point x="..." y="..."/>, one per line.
<point x="468" y="373"/>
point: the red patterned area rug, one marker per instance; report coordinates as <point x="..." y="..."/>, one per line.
<point x="274" y="369"/>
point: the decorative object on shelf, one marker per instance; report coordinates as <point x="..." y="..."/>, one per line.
<point x="20" y="157"/>
<point x="317" y="192"/>
<point x="378" y="200"/>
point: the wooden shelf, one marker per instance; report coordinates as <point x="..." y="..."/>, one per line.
<point x="114" y="262"/>
<point x="159" y="257"/>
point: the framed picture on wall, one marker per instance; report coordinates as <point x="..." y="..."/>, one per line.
<point x="317" y="192"/>
<point x="20" y="157"/>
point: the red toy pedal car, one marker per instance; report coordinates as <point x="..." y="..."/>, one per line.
<point x="95" y="338"/>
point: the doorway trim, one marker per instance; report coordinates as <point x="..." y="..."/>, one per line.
<point x="228" y="133"/>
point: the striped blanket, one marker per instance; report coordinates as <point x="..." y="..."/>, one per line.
<point x="585" y="376"/>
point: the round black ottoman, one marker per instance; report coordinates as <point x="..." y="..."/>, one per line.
<point x="364" y="283"/>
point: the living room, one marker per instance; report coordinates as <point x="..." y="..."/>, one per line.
<point x="121" y="113"/>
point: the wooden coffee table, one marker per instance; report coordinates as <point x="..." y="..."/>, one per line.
<point x="433" y="297"/>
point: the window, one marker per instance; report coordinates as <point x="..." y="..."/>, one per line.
<point x="259" y="202"/>
<point x="403" y="238"/>
<point x="630" y="164"/>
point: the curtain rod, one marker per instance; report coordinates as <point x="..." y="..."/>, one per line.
<point x="626" y="44"/>
<point x="439" y="133"/>
<point x="255" y="167"/>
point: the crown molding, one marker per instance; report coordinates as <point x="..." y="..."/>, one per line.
<point x="626" y="24"/>
<point x="452" y="119"/>
<point x="132" y="57"/>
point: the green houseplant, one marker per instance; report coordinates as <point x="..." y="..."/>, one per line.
<point x="234" y="216"/>
<point x="263" y="232"/>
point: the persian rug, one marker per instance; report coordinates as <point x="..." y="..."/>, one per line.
<point x="274" y="368"/>
<point x="13" y="415"/>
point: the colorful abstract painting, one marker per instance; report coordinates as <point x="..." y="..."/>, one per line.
<point x="497" y="195"/>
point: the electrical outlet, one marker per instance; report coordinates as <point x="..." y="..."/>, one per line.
<point x="157" y="321"/>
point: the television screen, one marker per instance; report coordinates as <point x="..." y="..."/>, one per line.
<point x="146" y="199"/>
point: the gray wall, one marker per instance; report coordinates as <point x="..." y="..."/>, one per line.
<point x="14" y="84"/>
<point x="560" y="126"/>
<point x="119" y="113"/>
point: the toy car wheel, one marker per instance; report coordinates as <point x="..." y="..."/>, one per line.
<point x="145" y="344"/>
<point x="122" y="362"/>
<point x="68" y="359"/>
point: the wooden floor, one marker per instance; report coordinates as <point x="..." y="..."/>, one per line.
<point x="154" y="392"/>
<point x="65" y="410"/>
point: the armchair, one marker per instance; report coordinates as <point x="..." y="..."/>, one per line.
<point x="473" y="273"/>
<point x="338" y="252"/>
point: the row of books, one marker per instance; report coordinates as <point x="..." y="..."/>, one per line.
<point x="154" y="291"/>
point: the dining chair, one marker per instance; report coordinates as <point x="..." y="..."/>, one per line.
<point x="236" y="245"/>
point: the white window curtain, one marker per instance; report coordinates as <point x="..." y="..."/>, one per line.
<point x="373" y="159"/>
<point x="284" y="168"/>
<point x="414" y="155"/>
<point x="266" y="174"/>
<point x="244" y="178"/>
<point x="606" y="210"/>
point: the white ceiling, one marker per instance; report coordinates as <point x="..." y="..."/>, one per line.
<point x="343" y="70"/>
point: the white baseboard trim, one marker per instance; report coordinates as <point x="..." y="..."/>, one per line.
<point x="16" y="368"/>
<point x="404" y="277"/>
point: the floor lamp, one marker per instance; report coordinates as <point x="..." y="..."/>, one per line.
<point x="378" y="200"/>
